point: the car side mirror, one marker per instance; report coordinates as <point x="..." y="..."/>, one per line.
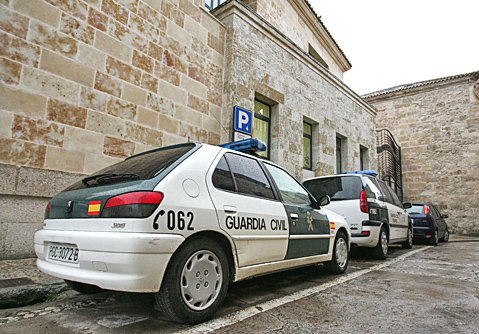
<point x="407" y="205"/>
<point x="444" y="216"/>
<point x="325" y="200"/>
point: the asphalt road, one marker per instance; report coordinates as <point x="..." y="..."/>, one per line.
<point x="423" y="290"/>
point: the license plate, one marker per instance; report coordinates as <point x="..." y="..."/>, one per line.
<point x="65" y="253"/>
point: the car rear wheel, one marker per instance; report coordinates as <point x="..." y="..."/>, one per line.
<point x="446" y="236"/>
<point x="195" y="282"/>
<point x="339" y="262"/>
<point x="408" y="243"/>
<point x="84" y="288"/>
<point x="380" y="252"/>
<point x="435" y="238"/>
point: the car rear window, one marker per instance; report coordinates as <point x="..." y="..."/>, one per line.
<point x="138" y="167"/>
<point x="337" y="188"/>
<point x="416" y="209"/>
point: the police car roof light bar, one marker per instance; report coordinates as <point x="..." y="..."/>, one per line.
<point x="246" y="145"/>
<point x="365" y="172"/>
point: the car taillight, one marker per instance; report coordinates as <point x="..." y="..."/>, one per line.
<point x="47" y="211"/>
<point x="363" y="202"/>
<point x="426" y="209"/>
<point x="140" y="204"/>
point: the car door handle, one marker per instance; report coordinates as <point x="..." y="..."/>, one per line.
<point x="230" y="209"/>
<point x="294" y="216"/>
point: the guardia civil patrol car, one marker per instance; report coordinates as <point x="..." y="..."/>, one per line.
<point x="184" y="222"/>
<point x="372" y="209"/>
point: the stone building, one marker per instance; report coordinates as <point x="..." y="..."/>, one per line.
<point x="87" y="83"/>
<point x="436" y="123"/>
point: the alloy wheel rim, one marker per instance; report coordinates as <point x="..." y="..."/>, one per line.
<point x="201" y="280"/>
<point x="384" y="243"/>
<point x="341" y="253"/>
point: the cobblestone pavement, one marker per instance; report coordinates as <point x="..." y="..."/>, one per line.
<point x="25" y="268"/>
<point x="426" y="290"/>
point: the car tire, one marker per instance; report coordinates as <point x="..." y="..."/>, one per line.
<point x="408" y="243"/>
<point x="83" y="288"/>
<point x="446" y="235"/>
<point x="435" y="238"/>
<point x="380" y="251"/>
<point x="195" y="282"/>
<point x="339" y="262"/>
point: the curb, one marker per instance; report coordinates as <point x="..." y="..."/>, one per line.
<point x="29" y="294"/>
<point x="464" y="240"/>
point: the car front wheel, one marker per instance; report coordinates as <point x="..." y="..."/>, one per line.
<point x="339" y="262"/>
<point x="380" y="252"/>
<point x="195" y="282"/>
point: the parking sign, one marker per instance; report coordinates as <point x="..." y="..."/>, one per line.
<point x="243" y="120"/>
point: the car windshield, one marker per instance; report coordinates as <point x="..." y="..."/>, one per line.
<point x="139" y="167"/>
<point x="416" y="209"/>
<point x="338" y="188"/>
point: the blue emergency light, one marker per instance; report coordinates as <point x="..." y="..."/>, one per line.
<point x="246" y="145"/>
<point x="365" y="172"/>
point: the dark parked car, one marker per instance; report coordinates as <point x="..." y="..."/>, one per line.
<point x="428" y="223"/>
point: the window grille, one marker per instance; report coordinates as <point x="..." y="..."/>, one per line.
<point x="389" y="161"/>
<point x="212" y="4"/>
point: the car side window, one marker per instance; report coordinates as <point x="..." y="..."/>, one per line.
<point x="375" y="181"/>
<point x="291" y="190"/>
<point x="249" y="176"/>
<point x="371" y="189"/>
<point x="222" y="177"/>
<point x="435" y="211"/>
<point x="395" y="197"/>
<point x="385" y="191"/>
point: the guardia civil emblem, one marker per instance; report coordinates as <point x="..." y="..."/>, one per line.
<point x="310" y="222"/>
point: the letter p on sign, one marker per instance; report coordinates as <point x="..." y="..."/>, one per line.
<point x="243" y="120"/>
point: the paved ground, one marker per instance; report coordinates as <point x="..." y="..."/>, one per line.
<point x="426" y="290"/>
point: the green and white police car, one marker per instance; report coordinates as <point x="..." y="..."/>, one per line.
<point x="184" y="222"/>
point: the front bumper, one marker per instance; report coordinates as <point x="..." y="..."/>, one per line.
<point x="131" y="262"/>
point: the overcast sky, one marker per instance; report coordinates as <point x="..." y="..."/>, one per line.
<point x="390" y="43"/>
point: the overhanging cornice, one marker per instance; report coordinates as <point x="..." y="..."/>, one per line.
<point x="321" y="33"/>
<point x="239" y="8"/>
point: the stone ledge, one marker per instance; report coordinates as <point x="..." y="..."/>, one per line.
<point x="35" y="182"/>
<point x="29" y="294"/>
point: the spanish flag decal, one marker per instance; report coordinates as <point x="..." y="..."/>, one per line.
<point x="333" y="226"/>
<point x="94" y="208"/>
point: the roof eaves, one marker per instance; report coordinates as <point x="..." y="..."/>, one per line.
<point x="416" y="85"/>
<point x="327" y="31"/>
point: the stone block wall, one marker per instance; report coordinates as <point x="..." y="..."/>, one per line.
<point x="262" y="64"/>
<point x="86" y="83"/>
<point x="437" y="126"/>
<point x="294" y="19"/>
<point x="25" y="192"/>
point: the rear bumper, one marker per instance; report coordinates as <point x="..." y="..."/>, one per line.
<point x="131" y="262"/>
<point x="420" y="232"/>
<point x="364" y="239"/>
